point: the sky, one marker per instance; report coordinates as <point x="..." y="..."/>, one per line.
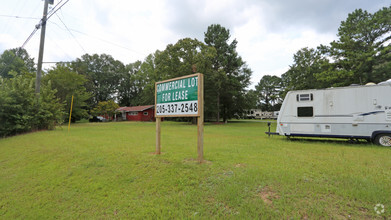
<point x="269" y="32"/>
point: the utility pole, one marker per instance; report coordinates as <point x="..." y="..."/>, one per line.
<point x="41" y="46"/>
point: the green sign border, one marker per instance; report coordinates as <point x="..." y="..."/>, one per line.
<point x="193" y="93"/>
<point x="180" y="90"/>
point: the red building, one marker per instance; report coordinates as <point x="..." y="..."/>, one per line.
<point x="138" y="113"/>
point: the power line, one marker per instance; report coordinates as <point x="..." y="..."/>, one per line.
<point x="49" y="62"/>
<point x="29" y="38"/>
<point x="115" y="44"/>
<point x="71" y="33"/>
<point x="24" y="44"/>
<point x="53" y="8"/>
<point x="37" y="27"/>
<point x="59" y="47"/>
<point x="100" y="39"/>
<point x="51" y="13"/>
<point x="21" y="17"/>
<point x="46" y="16"/>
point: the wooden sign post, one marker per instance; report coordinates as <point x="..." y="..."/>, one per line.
<point x="181" y="97"/>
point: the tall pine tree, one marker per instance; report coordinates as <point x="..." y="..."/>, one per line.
<point x="230" y="73"/>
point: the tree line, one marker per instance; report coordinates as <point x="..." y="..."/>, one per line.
<point x="99" y="82"/>
<point x="362" y="54"/>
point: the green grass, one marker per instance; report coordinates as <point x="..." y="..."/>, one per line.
<point x="108" y="170"/>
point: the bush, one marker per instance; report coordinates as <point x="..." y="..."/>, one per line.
<point x="22" y="111"/>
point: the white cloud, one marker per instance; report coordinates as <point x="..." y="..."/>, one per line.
<point x="270" y="53"/>
<point x="268" y="32"/>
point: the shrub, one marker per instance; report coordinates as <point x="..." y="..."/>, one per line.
<point x="22" y="111"/>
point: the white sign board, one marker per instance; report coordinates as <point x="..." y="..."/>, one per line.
<point x="178" y="97"/>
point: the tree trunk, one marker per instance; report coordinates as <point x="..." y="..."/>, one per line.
<point x="218" y="107"/>
<point x="225" y="115"/>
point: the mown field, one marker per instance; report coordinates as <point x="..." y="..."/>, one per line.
<point x="108" y="170"/>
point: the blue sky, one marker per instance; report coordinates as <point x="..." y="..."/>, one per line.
<point x="268" y="32"/>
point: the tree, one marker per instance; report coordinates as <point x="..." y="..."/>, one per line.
<point x="182" y="58"/>
<point x="17" y="60"/>
<point x="362" y="52"/>
<point x="230" y="73"/>
<point x="17" y="103"/>
<point x="50" y="109"/>
<point x="251" y="98"/>
<point x="303" y="74"/>
<point x="21" y="111"/>
<point x="147" y="76"/>
<point x="130" y="85"/>
<point x="22" y="54"/>
<point x="106" y="108"/>
<point x="103" y="75"/>
<point x="186" y="57"/>
<point x="269" y="90"/>
<point x="67" y="84"/>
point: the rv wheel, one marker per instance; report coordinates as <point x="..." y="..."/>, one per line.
<point x="383" y="140"/>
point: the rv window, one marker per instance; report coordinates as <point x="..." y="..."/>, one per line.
<point x="304" y="97"/>
<point x="305" y="111"/>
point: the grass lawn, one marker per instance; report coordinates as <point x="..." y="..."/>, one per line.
<point x="108" y="170"/>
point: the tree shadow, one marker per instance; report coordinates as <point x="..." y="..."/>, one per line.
<point x="345" y="142"/>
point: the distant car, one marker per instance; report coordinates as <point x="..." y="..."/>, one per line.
<point x="98" y="119"/>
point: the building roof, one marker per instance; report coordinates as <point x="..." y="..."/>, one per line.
<point x="135" y="108"/>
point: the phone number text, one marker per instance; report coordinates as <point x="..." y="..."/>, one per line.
<point x="177" y="108"/>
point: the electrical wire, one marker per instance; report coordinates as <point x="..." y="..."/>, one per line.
<point x="23" y="5"/>
<point x="17" y="5"/>
<point x="52" y="13"/>
<point x="103" y="40"/>
<point x="29" y="38"/>
<point x="16" y="16"/>
<point x="51" y="62"/>
<point x="52" y="9"/>
<point x="37" y="27"/>
<point x="100" y="39"/>
<point x="71" y="33"/>
<point x="59" y="46"/>
<point x="24" y="44"/>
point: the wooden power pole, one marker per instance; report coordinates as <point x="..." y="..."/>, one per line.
<point x="41" y="47"/>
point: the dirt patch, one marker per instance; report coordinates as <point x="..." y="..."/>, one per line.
<point x="192" y="160"/>
<point x="154" y="153"/>
<point x="210" y="200"/>
<point x="363" y="210"/>
<point x="267" y="195"/>
<point x="240" y="165"/>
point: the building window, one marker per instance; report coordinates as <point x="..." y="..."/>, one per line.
<point x="304" y="97"/>
<point x="145" y="113"/>
<point x="133" y="113"/>
<point x="305" y="111"/>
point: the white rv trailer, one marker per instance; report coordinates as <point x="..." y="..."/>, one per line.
<point x="354" y="112"/>
<point x="253" y="113"/>
<point x="259" y="114"/>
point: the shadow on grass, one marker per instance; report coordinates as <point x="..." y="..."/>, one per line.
<point x="208" y="122"/>
<point x="252" y="121"/>
<point x="345" y="142"/>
